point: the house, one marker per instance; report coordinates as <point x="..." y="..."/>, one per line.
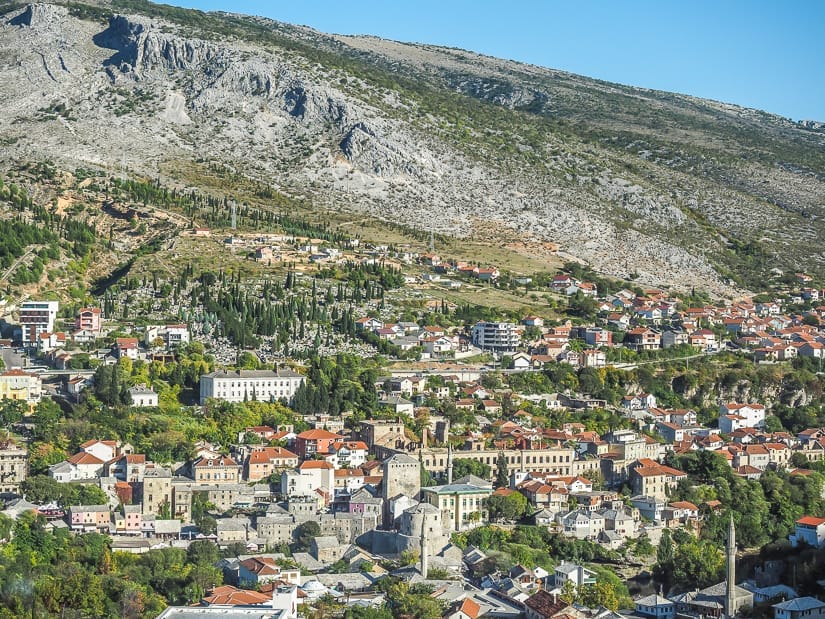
<point x="649" y="478"/>
<point x="86" y="518"/>
<point x="400" y="406"/>
<point x="20" y="385"/>
<point x="368" y="324"/>
<point x="734" y="416"/>
<point x="463" y="609"/>
<point x="640" y="401"/>
<point x="326" y="549"/>
<point x="170" y="335"/>
<point x="262" y="463"/>
<point x="347" y="454"/>
<point x="127" y="467"/>
<point x="655" y="606"/>
<point x="521" y="361"/>
<point x="126" y="347"/>
<point x="573" y="573"/>
<point x="592" y="359"/>
<point x="310" y="477"/>
<point x="220" y="470"/>
<point x="544" y="605"/>
<point x="13" y="465"/>
<point x="800" y="608"/>
<point x="143" y="396"/>
<point x="317" y="441"/>
<point x="642" y="338"/>
<point x="81" y="466"/>
<point x="809" y="530"/>
<point x="88" y="319"/>
<point x="256" y="571"/>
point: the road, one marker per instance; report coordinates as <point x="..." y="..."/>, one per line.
<point x="11" y="358"/>
<point x="17" y="262"/>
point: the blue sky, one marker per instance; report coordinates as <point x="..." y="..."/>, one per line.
<point x="767" y="55"/>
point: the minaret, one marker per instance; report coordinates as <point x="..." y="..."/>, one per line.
<point x="424" y="546"/>
<point x="449" y="464"/>
<point x="730" y="585"/>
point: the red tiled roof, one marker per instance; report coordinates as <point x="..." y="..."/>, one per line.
<point x="312" y="435"/>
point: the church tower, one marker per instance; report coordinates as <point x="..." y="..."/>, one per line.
<point x="424" y="560"/>
<point x="730" y="585"/>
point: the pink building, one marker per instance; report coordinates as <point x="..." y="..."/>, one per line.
<point x="89" y="517"/>
<point x="88" y="319"/>
<point x="132" y="519"/>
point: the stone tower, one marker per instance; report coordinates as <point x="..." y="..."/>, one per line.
<point x="730" y="584"/>
<point x="402" y="475"/>
<point x="424" y="549"/>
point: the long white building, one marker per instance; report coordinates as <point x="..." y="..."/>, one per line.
<point x="248" y="385"/>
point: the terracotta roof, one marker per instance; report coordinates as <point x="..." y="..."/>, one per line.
<point x="232" y="596"/>
<point x="312" y="435"/>
<point x="811" y="521"/>
<point x="221" y="461"/>
<point x="315" y="464"/>
<point x="259" y="456"/>
<point x="470" y="608"/>
<point x="545" y="604"/>
<point x="83" y="457"/>
<point x="262" y="566"/>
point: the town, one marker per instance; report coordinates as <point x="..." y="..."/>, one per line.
<point x="437" y="460"/>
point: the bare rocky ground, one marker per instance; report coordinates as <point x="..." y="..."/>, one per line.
<point x="140" y="93"/>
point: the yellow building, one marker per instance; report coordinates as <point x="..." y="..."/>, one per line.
<point x="20" y="385"/>
<point x="462" y="505"/>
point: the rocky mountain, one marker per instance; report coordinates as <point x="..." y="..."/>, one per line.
<point x="662" y="188"/>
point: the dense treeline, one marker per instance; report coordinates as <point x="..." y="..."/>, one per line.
<point x="333" y="386"/>
<point x="56" y="573"/>
<point x="764" y="510"/>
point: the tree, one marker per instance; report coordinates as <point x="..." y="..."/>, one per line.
<point x="510" y="506"/>
<point x="47" y="414"/>
<point x="502" y="474"/>
<point x="304" y="534"/>
<point x="248" y="361"/>
<point x="467" y="466"/>
<point x="11" y="411"/>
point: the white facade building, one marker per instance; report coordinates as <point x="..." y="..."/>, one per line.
<point x="496" y="336"/>
<point x="248" y="385"/>
<point x="141" y="395"/>
<point x="36" y="317"/>
<point x="172" y="335"/>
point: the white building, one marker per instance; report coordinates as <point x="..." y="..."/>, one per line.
<point x="172" y="335"/>
<point x="347" y="454"/>
<point x="311" y="475"/>
<point x="810" y="530"/>
<point x="733" y="416"/>
<point x="246" y="385"/>
<point x="141" y="395"/>
<point x="36" y="317"/>
<point x="496" y="336"/>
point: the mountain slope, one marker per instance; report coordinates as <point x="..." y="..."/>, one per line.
<point x="665" y="188"/>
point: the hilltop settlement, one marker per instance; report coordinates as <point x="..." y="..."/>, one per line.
<point x="614" y="461"/>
